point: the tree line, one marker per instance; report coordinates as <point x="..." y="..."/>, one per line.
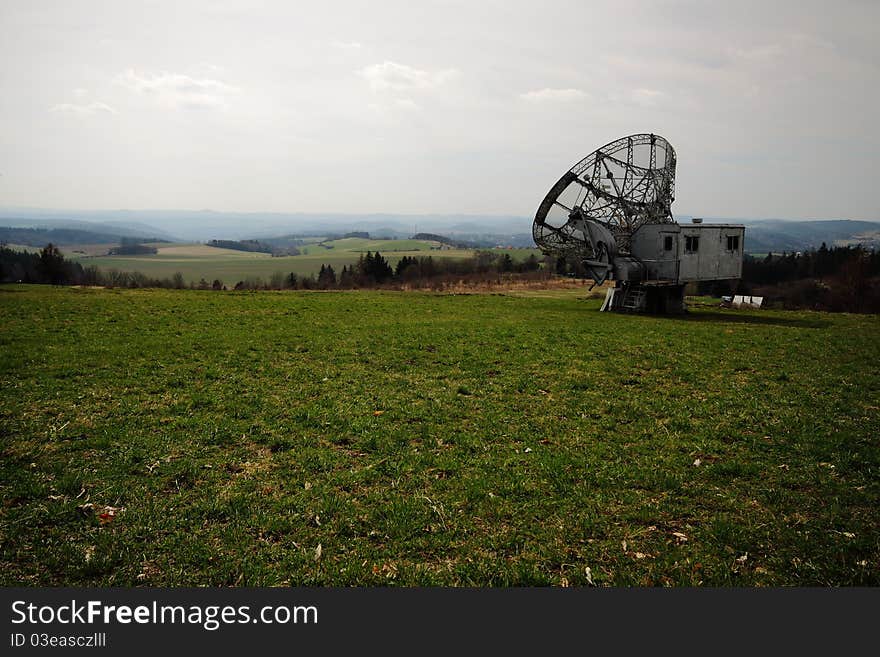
<point x="51" y="267"/>
<point x="372" y="270"/>
<point x="816" y="263"/>
<point x="131" y="246"/>
<point x="837" y="279"/>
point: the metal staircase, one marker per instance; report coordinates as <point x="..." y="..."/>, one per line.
<point x="634" y="298"/>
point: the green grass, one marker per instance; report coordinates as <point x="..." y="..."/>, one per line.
<point x="434" y="440"/>
<point x="361" y="245"/>
<point x="200" y="261"/>
<point x="23" y="247"/>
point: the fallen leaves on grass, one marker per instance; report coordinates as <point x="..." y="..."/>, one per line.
<point x="106" y="514"/>
<point x="588" y="573"/>
<point x="387" y="569"/>
<point x="149" y="570"/>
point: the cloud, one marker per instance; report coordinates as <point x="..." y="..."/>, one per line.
<point x="406" y="104"/>
<point x="390" y="76"/>
<point x="83" y="110"/>
<point x="175" y="90"/>
<point x="646" y="97"/>
<point x="346" y="45"/>
<point x="553" y="95"/>
<point x="394" y="107"/>
<point x="762" y="53"/>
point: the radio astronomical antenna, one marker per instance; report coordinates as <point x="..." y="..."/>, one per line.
<point x="612" y="213"/>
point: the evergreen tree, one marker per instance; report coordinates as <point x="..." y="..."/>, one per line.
<point x="326" y="277"/>
<point x="364" y="264"/>
<point x="402" y="264"/>
<point x="346" y="277"/>
<point x="52" y="265"/>
<point x="505" y="263"/>
<point x="531" y="263"/>
<point x="381" y="269"/>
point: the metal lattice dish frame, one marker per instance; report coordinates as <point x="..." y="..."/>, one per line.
<point x="625" y="184"/>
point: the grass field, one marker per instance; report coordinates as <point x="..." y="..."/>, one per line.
<point x="361" y="245"/>
<point x="23" y="247"/>
<point x="197" y="261"/>
<point x="159" y="437"/>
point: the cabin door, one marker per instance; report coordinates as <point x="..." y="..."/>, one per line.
<point x="667" y="262"/>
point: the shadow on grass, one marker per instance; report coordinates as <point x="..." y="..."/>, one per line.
<point x="738" y="318"/>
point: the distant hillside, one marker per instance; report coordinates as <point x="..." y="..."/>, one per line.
<point x="203" y="225"/>
<point x="49" y="220"/>
<point x="477" y="231"/>
<point x="776" y="235"/>
<point x="39" y="237"/>
<point x="432" y="237"/>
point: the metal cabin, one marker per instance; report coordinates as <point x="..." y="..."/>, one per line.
<point x="675" y="254"/>
<point x="665" y="257"/>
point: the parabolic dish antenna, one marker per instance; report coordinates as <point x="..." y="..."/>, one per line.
<point x="591" y="213"/>
<point x="611" y="213"/>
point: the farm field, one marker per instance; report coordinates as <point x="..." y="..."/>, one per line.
<point x="198" y="261"/>
<point x="23" y="247"/>
<point x="362" y="245"/>
<point x="162" y="437"/>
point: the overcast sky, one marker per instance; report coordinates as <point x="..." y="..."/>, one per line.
<point x="434" y="107"/>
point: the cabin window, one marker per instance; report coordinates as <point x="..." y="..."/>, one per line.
<point x="667" y="243"/>
<point x="733" y="242"/>
<point x="691" y="243"/>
